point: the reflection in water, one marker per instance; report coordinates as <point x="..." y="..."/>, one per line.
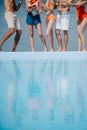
<point x="81" y="91"/>
<point x="43" y="92"/>
<point x="14" y="103"/>
<point x="62" y="91"/>
<point x="34" y="93"/>
<point x="50" y="90"/>
<point x="62" y="79"/>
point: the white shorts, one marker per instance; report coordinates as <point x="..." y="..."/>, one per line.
<point x="62" y="21"/>
<point x="12" y="20"/>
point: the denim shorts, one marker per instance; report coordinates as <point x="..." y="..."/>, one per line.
<point x="33" y="20"/>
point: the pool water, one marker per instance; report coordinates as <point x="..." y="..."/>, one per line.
<point x="43" y="94"/>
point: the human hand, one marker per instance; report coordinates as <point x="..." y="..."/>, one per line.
<point x="41" y="5"/>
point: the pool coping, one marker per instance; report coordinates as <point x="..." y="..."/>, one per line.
<point x="43" y="55"/>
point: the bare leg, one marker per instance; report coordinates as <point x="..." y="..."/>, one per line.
<point x="79" y="39"/>
<point x="50" y="38"/>
<point x="49" y="33"/>
<point x="81" y="29"/>
<point x="31" y="32"/>
<point x="39" y="29"/>
<point x="65" y="40"/>
<point x="79" y="44"/>
<point x="59" y="39"/>
<point x="6" y="36"/>
<point x="16" y="39"/>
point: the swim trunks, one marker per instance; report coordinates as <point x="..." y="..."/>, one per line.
<point x="62" y="21"/>
<point x="12" y="20"/>
<point x="81" y="13"/>
<point x="32" y="20"/>
<point x="50" y="16"/>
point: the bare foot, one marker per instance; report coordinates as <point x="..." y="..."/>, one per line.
<point x="33" y="50"/>
<point x="60" y="49"/>
<point x="45" y="49"/>
<point x="79" y="50"/>
<point x="64" y="49"/>
<point x="85" y="49"/>
<point x="52" y="50"/>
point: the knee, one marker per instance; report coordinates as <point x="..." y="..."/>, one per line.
<point x="66" y="33"/>
<point x="31" y="34"/>
<point x="47" y="34"/>
<point x="79" y="31"/>
<point x="19" y="32"/>
<point x="57" y="32"/>
<point x="40" y="35"/>
<point x="12" y="31"/>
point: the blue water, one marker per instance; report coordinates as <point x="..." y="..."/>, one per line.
<point x="24" y="44"/>
<point x="43" y="94"/>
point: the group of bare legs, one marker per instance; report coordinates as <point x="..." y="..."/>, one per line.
<point x="31" y="34"/>
<point x="10" y="32"/>
<point x="81" y="17"/>
<point x="49" y="33"/>
<point x="81" y="26"/>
